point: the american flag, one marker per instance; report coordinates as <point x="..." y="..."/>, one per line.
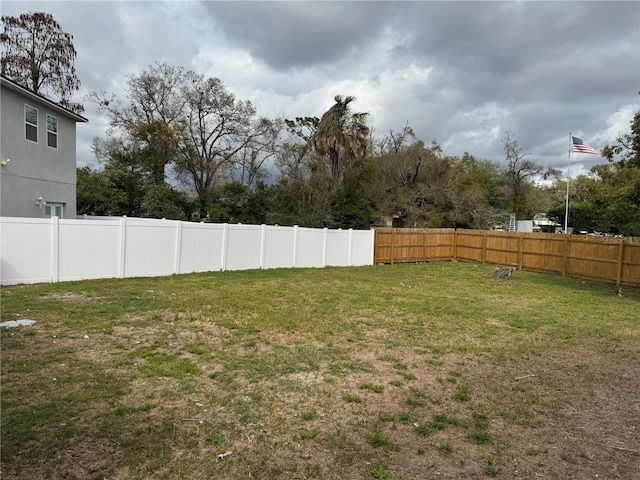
<point x="583" y="147"/>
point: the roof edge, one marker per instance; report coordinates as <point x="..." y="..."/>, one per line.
<point x="7" y="82"/>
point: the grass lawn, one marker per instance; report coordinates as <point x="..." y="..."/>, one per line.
<point x="414" y="371"/>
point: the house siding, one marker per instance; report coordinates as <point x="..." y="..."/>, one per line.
<point x="35" y="170"/>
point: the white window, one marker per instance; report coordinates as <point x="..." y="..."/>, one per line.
<point x="31" y="123"/>
<point x="54" y="210"/>
<point x="52" y="131"/>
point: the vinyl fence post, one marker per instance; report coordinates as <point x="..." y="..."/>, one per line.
<point x="123" y="246"/>
<point x="325" y="234"/>
<point x="178" y="253"/>
<point x="295" y="244"/>
<point x="223" y="253"/>
<point x="350" y="246"/>
<point x="373" y="246"/>
<point x="55" y="250"/>
<point x="263" y="244"/>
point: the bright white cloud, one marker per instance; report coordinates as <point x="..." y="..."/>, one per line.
<point x="618" y="124"/>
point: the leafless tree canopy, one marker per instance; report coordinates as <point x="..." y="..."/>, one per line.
<point x="38" y="55"/>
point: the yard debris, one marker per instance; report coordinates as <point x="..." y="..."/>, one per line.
<point x="525" y="376"/>
<point x="17" y="323"/>
<point x="624" y="449"/>
<point x="195" y="420"/>
<point x="504" y="272"/>
<point x="223" y="455"/>
<point x="633" y="400"/>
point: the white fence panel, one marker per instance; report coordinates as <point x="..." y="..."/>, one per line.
<point x="310" y="251"/>
<point x="279" y="247"/>
<point x="362" y="245"/>
<point x="88" y="249"/>
<point x="201" y="247"/>
<point x="338" y="248"/>
<point x="149" y="248"/>
<point x="36" y="250"/>
<point x="26" y="250"/>
<point x="243" y="247"/>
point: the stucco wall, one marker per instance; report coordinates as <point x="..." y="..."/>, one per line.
<point x="35" y="170"/>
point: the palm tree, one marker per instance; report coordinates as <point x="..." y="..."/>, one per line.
<point x="342" y="136"/>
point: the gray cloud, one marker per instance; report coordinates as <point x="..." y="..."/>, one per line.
<point x="296" y="35"/>
<point x="462" y="73"/>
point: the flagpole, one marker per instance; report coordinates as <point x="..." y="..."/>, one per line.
<point x="566" y="205"/>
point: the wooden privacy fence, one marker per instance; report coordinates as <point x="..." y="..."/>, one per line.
<point x="610" y="259"/>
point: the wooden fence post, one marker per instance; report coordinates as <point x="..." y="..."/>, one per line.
<point x="520" y="250"/>
<point x="424" y="245"/>
<point x="455" y="244"/>
<point x="620" y="263"/>
<point x="393" y="245"/>
<point x="565" y="255"/>
<point x="484" y="246"/>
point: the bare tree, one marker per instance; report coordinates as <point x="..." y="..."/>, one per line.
<point x="38" y="55"/>
<point x="261" y="148"/>
<point x="519" y="174"/>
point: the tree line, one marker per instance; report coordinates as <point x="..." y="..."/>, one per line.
<point x="181" y="146"/>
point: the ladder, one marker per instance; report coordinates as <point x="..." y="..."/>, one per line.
<point x="512" y="223"/>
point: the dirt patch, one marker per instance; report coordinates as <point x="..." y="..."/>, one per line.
<point x="72" y="297"/>
<point x="563" y="413"/>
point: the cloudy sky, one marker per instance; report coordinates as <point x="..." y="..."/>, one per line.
<point x="461" y="73"/>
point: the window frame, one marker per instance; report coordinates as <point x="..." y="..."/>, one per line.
<point x="50" y="209"/>
<point x="50" y="132"/>
<point x="28" y="124"/>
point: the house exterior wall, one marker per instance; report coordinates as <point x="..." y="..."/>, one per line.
<point x="35" y="169"/>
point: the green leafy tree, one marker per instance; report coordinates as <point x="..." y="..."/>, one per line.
<point x="617" y="196"/>
<point x="617" y="199"/>
<point x="123" y="187"/>
<point x="39" y="55"/>
<point x="583" y="214"/>
<point x="626" y="151"/>
<point x="94" y="194"/>
<point x="147" y="122"/>
<point x="178" y="121"/>
<point x="165" y="201"/>
<point x="354" y="204"/>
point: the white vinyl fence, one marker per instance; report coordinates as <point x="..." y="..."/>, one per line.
<point x="36" y="250"/>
